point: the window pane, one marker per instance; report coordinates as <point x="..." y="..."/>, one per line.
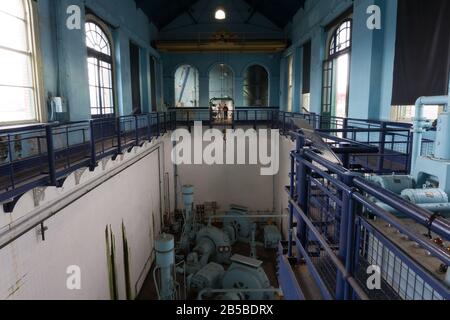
<point x="100" y="70"/>
<point x="96" y="39"/>
<point x="15" y="69"/>
<point x="13" y="32"/>
<point x="93" y="72"/>
<point x="16" y="104"/>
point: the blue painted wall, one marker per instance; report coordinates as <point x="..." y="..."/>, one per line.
<point x="238" y="62"/>
<point x="372" y="59"/>
<point x="202" y="24"/>
<point x="64" y="52"/>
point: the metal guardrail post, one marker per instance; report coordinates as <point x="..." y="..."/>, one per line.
<point x="291" y="209"/>
<point x="173" y="120"/>
<point x="382" y="147"/>
<point x="409" y="151"/>
<point x="345" y="126"/>
<point x="51" y="155"/>
<point x="284" y="122"/>
<point x="119" y="136"/>
<point x="233" y="119"/>
<point x="302" y="191"/>
<point x="158" y="125"/>
<point x="149" y="127"/>
<point x="136" y="130"/>
<point x="165" y="122"/>
<point x="11" y="159"/>
<point x="210" y="119"/>
<point x="346" y="242"/>
<point x="92" y="145"/>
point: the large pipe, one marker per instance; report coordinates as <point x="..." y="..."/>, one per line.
<point x="165" y="260"/>
<point x="439" y="226"/>
<point x="421" y="123"/>
<point x="432" y="207"/>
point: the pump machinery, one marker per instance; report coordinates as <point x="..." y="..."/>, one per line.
<point x="204" y="256"/>
<point x="428" y="186"/>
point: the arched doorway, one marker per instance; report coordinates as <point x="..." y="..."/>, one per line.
<point x="186" y="87"/>
<point x="256" y="87"/>
<point x="221" y="93"/>
<point x="221" y="82"/>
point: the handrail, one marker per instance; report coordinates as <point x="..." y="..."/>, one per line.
<point x="341" y="234"/>
<point x="60" y="149"/>
<point x="100" y="137"/>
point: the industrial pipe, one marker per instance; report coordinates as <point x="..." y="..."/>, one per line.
<point x="432" y="207"/>
<point x="421" y="123"/>
<point x="439" y="226"/>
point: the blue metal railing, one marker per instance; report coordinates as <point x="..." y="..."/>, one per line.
<point x="44" y="154"/>
<point x="27" y="162"/>
<point x="393" y="140"/>
<point x="337" y="230"/>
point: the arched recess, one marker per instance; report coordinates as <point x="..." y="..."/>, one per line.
<point x="186" y="86"/>
<point x="221" y="82"/>
<point x="256" y="86"/>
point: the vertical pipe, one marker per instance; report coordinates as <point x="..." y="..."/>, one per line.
<point x="165" y="260"/>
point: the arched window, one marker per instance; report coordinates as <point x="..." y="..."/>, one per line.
<point x="256" y="87"/>
<point x="336" y="71"/>
<point x="221" y="82"/>
<point x="19" y="96"/>
<point x="186" y="87"/>
<point x="100" y="67"/>
<point x="341" y="38"/>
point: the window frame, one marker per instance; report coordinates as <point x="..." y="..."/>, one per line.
<point x="33" y="39"/>
<point x="329" y="65"/>
<point x="102" y="57"/>
<point x="332" y="40"/>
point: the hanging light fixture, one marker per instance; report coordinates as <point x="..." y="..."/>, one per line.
<point x="220" y="14"/>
